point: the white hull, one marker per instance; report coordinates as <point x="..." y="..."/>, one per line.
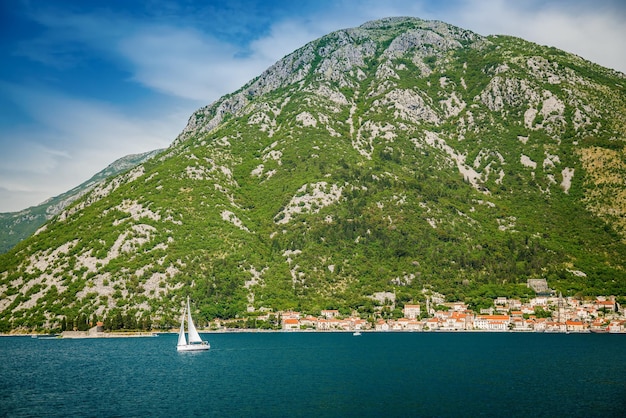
<point x="193" y="347"/>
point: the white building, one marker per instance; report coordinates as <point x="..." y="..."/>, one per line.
<point x="492" y="322"/>
<point x="411" y="311"/>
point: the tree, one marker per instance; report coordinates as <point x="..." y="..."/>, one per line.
<point x="116" y="321"/>
<point x="542" y="313"/>
<point x="82" y="323"/>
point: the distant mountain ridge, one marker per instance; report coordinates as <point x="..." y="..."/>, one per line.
<point x="16" y="226"/>
<point x="367" y="169"/>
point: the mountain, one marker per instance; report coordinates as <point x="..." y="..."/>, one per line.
<point x="367" y="169"/>
<point x="16" y="226"/>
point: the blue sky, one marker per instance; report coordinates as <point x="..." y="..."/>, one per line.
<point x="83" y="83"/>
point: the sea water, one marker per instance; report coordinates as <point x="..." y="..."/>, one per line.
<point x="317" y="375"/>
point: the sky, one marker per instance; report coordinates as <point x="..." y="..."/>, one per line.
<point x="83" y="83"/>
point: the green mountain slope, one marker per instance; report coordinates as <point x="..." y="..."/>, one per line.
<point x="16" y="226"/>
<point x="398" y="156"/>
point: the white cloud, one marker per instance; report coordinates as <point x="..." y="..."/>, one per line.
<point x="71" y="140"/>
<point x="184" y="63"/>
<point x="283" y="38"/>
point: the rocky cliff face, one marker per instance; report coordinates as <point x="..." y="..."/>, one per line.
<point x="398" y="156"/>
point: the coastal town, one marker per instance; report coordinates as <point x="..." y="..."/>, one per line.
<point x="546" y="312"/>
<point x="540" y="314"/>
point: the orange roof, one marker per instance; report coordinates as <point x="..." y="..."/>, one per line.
<point x="495" y="317"/>
<point x="291" y="321"/>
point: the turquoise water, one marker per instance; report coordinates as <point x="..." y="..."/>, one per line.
<point x="318" y="375"/>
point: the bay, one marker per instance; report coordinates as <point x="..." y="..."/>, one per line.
<point x="317" y="375"/>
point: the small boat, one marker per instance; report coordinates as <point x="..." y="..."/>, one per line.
<point x="356" y="333"/>
<point x="195" y="343"/>
<point x="46" y="336"/>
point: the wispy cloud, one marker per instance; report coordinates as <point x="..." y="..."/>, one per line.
<point x="69" y="140"/>
<point x="186" y="63"/>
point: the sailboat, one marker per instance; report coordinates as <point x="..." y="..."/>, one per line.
<point x="195" y="343"/>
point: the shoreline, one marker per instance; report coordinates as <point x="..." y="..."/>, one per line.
<point x="155" y="333"/>
<point x="79" y="335"/>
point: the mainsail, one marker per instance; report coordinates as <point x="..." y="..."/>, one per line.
<point x="194" y="337"/>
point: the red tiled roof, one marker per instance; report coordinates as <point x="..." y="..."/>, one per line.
<point x="495" y="317"/>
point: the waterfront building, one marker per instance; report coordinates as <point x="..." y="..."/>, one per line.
<point x="291" y="324"/>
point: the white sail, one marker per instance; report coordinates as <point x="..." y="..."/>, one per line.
<point x="181" y="334"/>
<point x="194" y="337"/>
